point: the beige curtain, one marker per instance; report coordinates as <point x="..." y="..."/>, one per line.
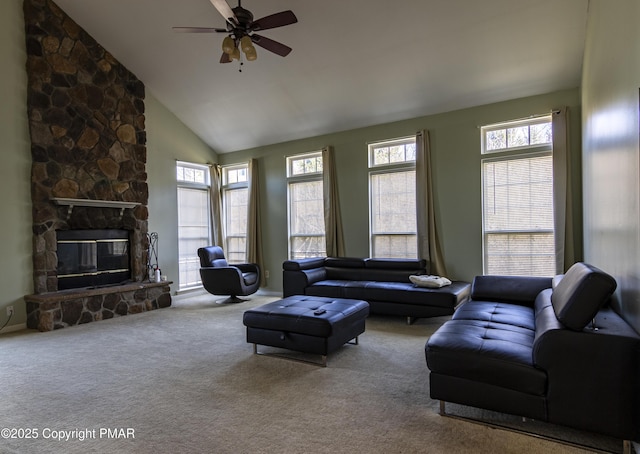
<point x="217" y="234"/>
<point x="334" y="238"/>
<point x="565" y="249"/>
<point x="254" y="228"/>
<point x="428" y="243"/>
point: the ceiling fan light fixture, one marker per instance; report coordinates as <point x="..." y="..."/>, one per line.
<point x="245" y="44"/>
<point x="251" y="54"/>
<point x="228" y="45"/>
<point x="235" y="55"/>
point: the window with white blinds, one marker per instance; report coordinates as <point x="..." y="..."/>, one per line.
<point x="306" y="206"/>
<point x="235" y="204"/>
<point x="517" y="194"/>
<point x="392" y="199"/>
<point x="193" y="220"/>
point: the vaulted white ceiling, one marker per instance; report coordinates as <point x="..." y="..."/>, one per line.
<point x="354" y="63"/>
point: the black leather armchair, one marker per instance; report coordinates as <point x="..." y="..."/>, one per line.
<point x="220" y="278"/>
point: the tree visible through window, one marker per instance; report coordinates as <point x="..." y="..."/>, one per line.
<point x="517" y="194"/>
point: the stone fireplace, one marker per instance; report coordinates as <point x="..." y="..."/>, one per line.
<point x="87" y="127"/>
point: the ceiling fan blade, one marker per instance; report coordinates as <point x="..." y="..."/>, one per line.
<point x="274" y="20"/>
<point x="199" y="30"/>
<point x="271" y="45"/>
<point x="225" y="10"/>
<point x="225" y="58"/>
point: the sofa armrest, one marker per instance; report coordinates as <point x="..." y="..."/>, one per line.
<point x="297" y="275"/>
<point x="521" y="290"/>
<point x="247" y="267"/>
<point x="593" y="375"/>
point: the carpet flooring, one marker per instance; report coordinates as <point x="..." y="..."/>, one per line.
<point x="184" y="380"/>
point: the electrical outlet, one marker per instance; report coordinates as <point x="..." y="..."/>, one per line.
<point x="266" y="274"/>
<point x="9" y="311"/>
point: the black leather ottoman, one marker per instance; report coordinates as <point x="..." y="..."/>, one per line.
<point x="308" y="324"/>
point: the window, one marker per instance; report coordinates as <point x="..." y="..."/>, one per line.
<point x="392" y="199"/>
<point x="235" y="202"/>
<point x="517" y="194"/>
<point x="306" y="206"/>
<point x="193" y="220"/>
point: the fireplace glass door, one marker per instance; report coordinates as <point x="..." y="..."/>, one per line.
<point x="90" y="258"/>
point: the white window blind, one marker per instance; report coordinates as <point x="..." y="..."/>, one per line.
<point x="193" y="220"/>
<point x="306" y="206"/>
<point x="235" y="201"/>
<point x="306" y="219"/>
<point x="517" y="188"/>
<point x="392" y="199"/>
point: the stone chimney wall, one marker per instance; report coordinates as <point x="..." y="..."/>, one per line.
<point x="87" y="126"/>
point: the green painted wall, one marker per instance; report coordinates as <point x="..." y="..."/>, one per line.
<point x="611" y="103"/>
<point x="15" y="172"/>
<point x="168" y="141"/>
<point x="455" y="142"/>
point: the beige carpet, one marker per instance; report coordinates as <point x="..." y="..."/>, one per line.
<point x="184" y="380"/>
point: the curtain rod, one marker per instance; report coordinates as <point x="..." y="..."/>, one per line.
<point x="206" y="164"/>
<point x="530" y="117"/>
<point x="394" y="139"/>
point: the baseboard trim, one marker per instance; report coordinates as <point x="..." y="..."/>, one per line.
<point x="13" y="328"/>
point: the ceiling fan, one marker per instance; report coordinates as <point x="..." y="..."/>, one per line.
<point x="240" y="31"/>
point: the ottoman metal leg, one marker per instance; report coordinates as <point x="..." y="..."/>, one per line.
<point x="322" y="362"/>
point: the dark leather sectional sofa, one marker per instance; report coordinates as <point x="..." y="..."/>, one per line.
<point x="554" y="350"/>
<point x="383" y="283"/>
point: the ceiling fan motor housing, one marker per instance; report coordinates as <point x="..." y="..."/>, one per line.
<point x="245" y="18"/>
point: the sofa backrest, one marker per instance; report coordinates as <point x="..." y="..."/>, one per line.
<point x="521" y="290"/>
<point x="369" y="269"/>
<point x="339" y="268"/>
<point x="581" y="292"/>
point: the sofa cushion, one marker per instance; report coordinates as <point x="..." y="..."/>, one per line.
<point x="580" y="294"/>
<point x="508" y="315"/>
<point x="332" y="288"/>
<point x="497" y="354"/>
<point x="250" y="278"/>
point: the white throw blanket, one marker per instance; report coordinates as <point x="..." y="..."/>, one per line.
<point x="429" y="281"/>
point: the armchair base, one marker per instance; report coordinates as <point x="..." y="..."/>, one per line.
<point x="232" y="300"/>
